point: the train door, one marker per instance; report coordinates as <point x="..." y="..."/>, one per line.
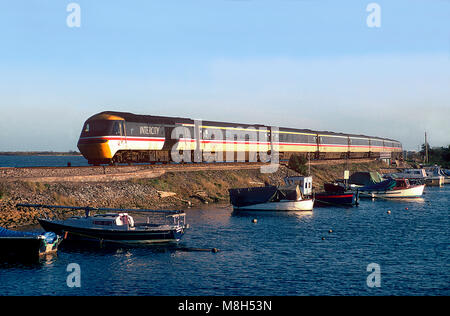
<point x="123" y="134"/>
<point x="119" y="132"/>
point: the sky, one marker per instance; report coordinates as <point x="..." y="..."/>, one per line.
<point x="314" y="64"/>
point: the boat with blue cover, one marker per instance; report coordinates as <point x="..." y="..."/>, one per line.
<point x="27" y="245"/>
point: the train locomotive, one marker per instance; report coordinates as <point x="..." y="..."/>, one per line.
<point x="119" y="137"/>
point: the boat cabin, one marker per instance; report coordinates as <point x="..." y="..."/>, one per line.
<point x="116" y="221"/>
<point x="414" y="173"/>
<point x="305" y="184"/>
<point x="401" y="184"/>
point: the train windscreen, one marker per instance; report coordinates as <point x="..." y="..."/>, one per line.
<point x="101" y="128"/>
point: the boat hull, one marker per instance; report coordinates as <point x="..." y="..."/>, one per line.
<point x="114" y="235"/>
<point x="25" y="247"/>
<point x="302" y="205"/>
<point x="345" y="199"/>
<point x="412" y="192"/>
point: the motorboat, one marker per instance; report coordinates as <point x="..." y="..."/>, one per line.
<point x="304" y="183"/>
<point x="402" y="189"/>
<point x="27" y="245"/>
<point x="119" y="227"/>
<point x="436" y="177"/>
<point x="270" y="198"/>
<point x="336" y="194"/>
<point x="414" y="175"/>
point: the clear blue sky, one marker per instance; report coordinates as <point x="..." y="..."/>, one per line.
<point x="295" y="63"/>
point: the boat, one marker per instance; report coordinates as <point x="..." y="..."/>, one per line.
<point x="412" y="174"/>
<point x="118" y="227"/>
<point x="363" y="179"/>
<point x="270" y="198"/>
<point x="402" y="189"/>
<point x="304" y="183"/>
<point x="432" y="176"/>
<point x="27" y="245"/>
<point x="336" y="194"/>
<point x="435" y="176"/>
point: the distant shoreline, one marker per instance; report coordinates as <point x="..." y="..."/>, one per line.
<point x="39" y="153"/>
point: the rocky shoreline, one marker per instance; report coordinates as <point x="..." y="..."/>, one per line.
<point x="169" y="190"/>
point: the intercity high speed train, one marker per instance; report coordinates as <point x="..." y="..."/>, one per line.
<point x="119" y="137"/>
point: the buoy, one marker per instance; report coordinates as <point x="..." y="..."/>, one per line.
<point x="406" y="208"/>
<point x="215" y="250"/>
<point x="255" y="221"/>
<point x="389" y="211"/>
<point x="323" y="238"/>
<point x="330" y="231"/>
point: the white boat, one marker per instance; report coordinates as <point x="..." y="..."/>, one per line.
<point x="432" y="176"/>
<point x="299" y="205"/>
<point x="270" y="198"/>
<point x="403" y="189"/>
<point x="416" y="174"/>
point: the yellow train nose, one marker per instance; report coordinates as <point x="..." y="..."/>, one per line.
<point x="95" y="150"/>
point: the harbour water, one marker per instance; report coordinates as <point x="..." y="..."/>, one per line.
<point x="281" y="254"/>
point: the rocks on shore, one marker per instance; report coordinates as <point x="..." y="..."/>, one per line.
<point x="170" y="190"/>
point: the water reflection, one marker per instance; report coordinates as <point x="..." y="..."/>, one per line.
<point x="254" y="214"/>
<point x="29" y="262"/>
<point x="410" y="200"/>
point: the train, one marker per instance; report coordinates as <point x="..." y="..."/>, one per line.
<point x="112" y="137"/>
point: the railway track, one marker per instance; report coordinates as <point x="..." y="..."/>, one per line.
<point x="127" y="172"/>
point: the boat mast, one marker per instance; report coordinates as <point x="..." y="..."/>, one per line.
<point x="426" y="148"/>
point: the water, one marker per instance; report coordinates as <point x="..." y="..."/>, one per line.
<point x="41" y="161"/>
<point x="282" y="254"/>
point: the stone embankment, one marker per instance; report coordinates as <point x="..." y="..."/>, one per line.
<point x="173" y="187"/>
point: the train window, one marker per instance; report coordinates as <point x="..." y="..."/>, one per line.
<point x="116" y="128"/>
<point x="97" y="128"/>
<point x="359" y="141"/>
<point x="334" y="140"/>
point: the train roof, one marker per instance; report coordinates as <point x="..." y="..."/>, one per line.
<point x="131" y="117"/>
<point x="139" y="118"/>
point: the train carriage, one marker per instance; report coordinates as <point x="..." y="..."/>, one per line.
<point x="359" y="146"/>
<point x="119" y="137"/>
<point x="333" y="145"/>
<point x="296" y="141"/>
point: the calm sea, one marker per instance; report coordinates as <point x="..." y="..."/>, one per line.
<point x="41" y="161"/>
<point x="282" y="254"/>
